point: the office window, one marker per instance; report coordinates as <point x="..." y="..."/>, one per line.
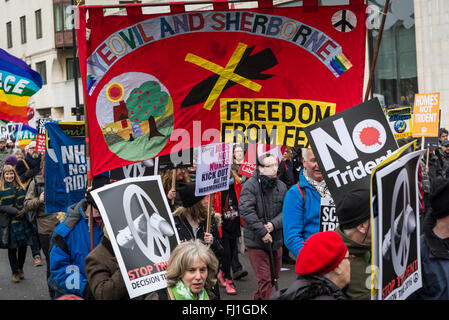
<point x="69" y="68"/>
<point x="9" y="34"/>
<point x="23" y="29"/>
<point x="63" y="16"/>
<point x="38" y="16"/>
<point x="42" y="69"/>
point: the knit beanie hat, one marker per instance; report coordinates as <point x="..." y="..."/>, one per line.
<point x="439" y="201"/>
<point x="321" y="253"/>
<point x="11" y="160"/>
<point x="353" y="209"/>
<point x="98" y="181"/>
<point x="187" y="194"/>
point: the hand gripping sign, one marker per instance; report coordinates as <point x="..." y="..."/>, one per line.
<point x="141" y="229"/>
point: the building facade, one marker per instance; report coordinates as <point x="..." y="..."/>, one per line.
<point x="39" y="32"/>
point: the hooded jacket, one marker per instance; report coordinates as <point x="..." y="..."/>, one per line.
<point x="69" y="247"/>
<point x="252" y="211"/>
<point x="360" y="268"/>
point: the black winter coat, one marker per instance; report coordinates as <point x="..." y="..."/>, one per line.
<point x="253" y="213"/>
<point x="310" y="287"/>
<point x="185" y="233"/>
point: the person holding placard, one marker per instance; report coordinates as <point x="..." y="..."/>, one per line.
<point x="353" y="213"/>
<point x="302" y="204"/>
<point x="70" y="245"/>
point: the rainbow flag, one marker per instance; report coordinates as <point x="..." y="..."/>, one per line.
<point x="18" y="82"/>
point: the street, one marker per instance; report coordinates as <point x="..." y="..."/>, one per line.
<point x="34" y="286"/>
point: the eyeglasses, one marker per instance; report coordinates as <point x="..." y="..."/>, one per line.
<point x="350" y="258"/>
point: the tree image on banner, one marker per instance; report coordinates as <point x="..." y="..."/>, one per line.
<point x="135" y="113"/>
<point x="145" y="103"/>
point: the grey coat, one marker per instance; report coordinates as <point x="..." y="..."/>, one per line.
<point x="252" y="212"/>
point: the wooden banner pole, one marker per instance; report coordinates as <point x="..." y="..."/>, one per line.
<point x="173" y="184"/>
<point x="209" y="211"/>
<point x="376" y="51"/>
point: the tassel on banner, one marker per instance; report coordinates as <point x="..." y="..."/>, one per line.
<point x="266" y="5"/>
<point x="221" y="5"/>
<point x="134" y="9"/>
<point x="310" y="5"/>
<point x="95" y="16"/>
<point x="357" y="5"/>
<point x="177" y="7"/>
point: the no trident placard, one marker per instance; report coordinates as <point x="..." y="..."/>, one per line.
<point x="426" y="115"/>
<point x="350" y="144"/>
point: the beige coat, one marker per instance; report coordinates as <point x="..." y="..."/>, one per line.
<point x="45" y="222"/>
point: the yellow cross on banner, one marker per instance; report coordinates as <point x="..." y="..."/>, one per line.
<point x="226" y="74"/>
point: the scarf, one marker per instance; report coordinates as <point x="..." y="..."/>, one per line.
<point x="267" y="183"/>
<point x="321" y="187"/>
<point x="182" y="292"/>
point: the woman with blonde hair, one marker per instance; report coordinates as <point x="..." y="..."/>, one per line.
<point x="191" y="272"/>
<point x="12" y="196"/>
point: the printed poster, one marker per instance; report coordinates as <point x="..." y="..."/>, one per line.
<point x="213" y="168"/>
<point x="398" y="228"/>
<point x="350" y="144"/>
<point x="65" y="165"/>
<point x="142" y="231"/>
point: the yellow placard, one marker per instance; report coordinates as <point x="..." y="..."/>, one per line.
<point x="270" y="121"/>
<point x="426" y="115"/>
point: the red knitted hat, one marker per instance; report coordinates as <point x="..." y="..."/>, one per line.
<point x="321" y="253"/>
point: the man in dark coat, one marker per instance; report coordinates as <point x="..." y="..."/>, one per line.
<point x="260" y="206"/>
<point x="323" y="270"/>
<point x="435" y="249"/>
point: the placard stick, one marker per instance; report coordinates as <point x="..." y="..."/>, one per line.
<point x="209" y="211"/>
<point x="173" y="184"/>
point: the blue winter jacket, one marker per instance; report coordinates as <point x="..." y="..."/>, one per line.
<point x="69" y="247"/>
<point x="300" y="222"/>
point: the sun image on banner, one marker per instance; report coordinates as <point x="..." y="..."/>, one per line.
<point x="398" y="227"/>
<point x="156" y="84"/>
<point x="142" y="231"/>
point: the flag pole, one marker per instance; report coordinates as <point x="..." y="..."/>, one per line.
<point x="86" y="133"/>
<point x="164" y="4"/>
<point x="376" y="51"/>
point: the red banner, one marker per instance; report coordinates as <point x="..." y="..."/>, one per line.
<point x="156" y="84"/>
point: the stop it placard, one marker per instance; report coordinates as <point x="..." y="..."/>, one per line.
<point x="426" y="115"/>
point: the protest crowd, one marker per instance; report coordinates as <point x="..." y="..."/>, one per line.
<point x="283" y="163"/>
<point x="272" y="215"/>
